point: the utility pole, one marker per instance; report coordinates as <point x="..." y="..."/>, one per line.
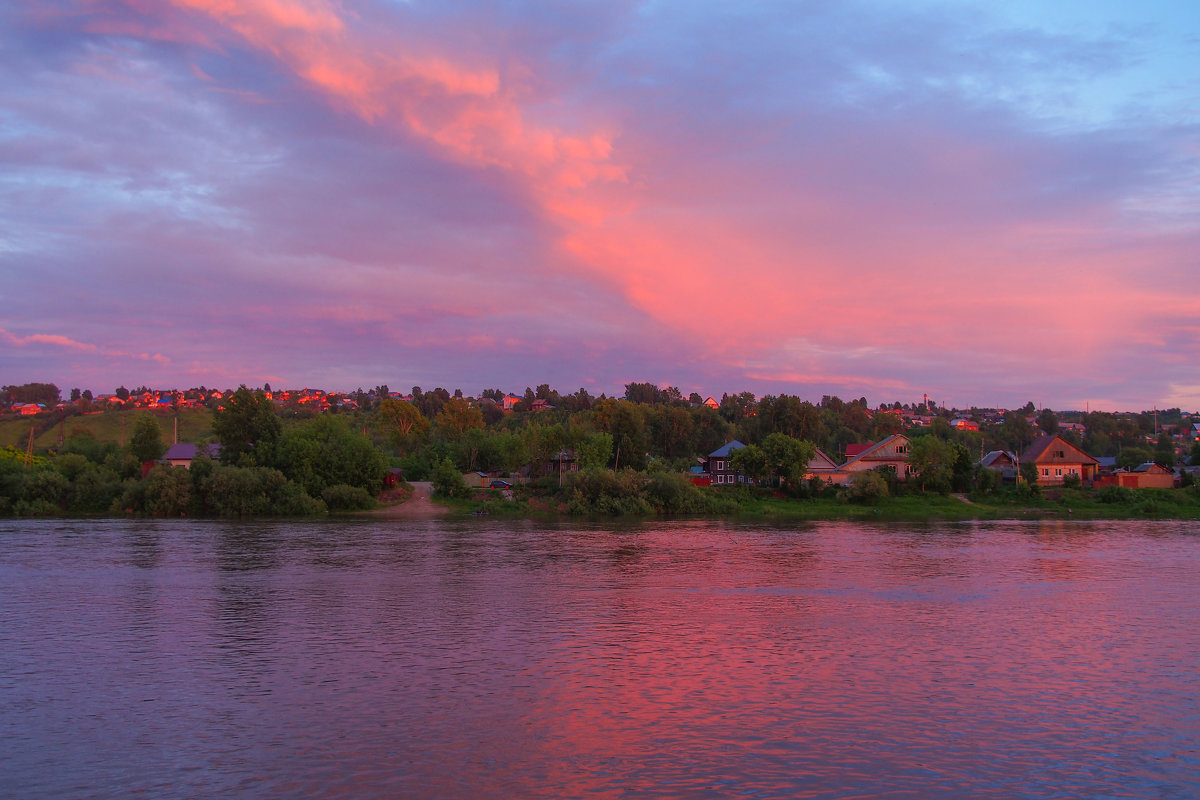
<point x="29" y="448"/>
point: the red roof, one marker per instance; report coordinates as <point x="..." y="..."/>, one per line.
<point x="853" y="450"/>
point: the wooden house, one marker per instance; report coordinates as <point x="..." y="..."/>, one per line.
<point x="890" y="454"/>
<point x="1056" y="459"/>
<point x="1001" y="461"/>
<point x="720" y="470"/>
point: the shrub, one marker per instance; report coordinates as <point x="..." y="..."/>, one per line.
<point x="1113" y="494"/>
<point x="45" y="489"/>
<point x="866" y="487"/>
<point x="167" y="491"/>
<point x="344" y="497"/>
<point x="447" y="480"/>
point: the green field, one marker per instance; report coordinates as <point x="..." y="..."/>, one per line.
<point x="107" y="426"/>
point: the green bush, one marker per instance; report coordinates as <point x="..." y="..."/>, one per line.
<point x="447" y="480"/>
<point x="1113" y="494"/>
<point x="866" y="487"/>
<point x="344" y="497"/>
<point x="607" y="493"/>
<point x="45" y="489"/>
<point x="167" y="492"/>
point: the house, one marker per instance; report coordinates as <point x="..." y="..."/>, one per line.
<point x="889" y="454"/>
<point x="1001" y="461"/>
<point x="711" y="403"/>
<point x="720" y="470"/>
<point x="1144" y="476"/>
<point x="1056" y="459"/>
<point x="821" y="466"/>
<point x="509" y="402"/>
<point x="182" y="454"/>
<point x="564" y="461"/>
<point x="964" y="424"/>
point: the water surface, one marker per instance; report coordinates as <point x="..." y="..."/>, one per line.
<point x="692" y="659"/>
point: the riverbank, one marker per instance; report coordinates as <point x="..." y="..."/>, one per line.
<point x="1063" y="504"/>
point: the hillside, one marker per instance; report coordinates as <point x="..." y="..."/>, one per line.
<point x="106" y="426"/>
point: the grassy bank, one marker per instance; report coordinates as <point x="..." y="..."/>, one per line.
<point x="931" y="507"/>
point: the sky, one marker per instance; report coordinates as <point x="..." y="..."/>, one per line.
<point x="991" y="203"/>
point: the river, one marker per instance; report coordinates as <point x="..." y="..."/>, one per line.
<point x="489" y="659"/>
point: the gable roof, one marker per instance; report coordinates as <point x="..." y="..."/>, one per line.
<point x="873" y="450"/>
<point x="821" y="461"/>
<point x="853" y="450"/>
<point x="726" y="449"/>
<point x="1038" y="450"/>
<point x="182" y="451"/>
<point x="996" y="455"/>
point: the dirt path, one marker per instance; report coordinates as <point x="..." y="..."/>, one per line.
<point x="963" y="497"/>
<point x="419" y="505"/>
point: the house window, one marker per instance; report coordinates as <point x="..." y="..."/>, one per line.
<point x="1060" y="454"/>
<point x="901" y="448"/>
<point x="1046" y="472"/>
<point x="1058" y="473"/>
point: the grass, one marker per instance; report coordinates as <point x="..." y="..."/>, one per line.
<point x="106" y="426"/>
<point x="930" y="507"/>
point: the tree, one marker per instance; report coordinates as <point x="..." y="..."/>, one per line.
<point x="627" y="425"/>
<point x="457" y="416"/>
<point x="326" y="452"/>
<point x="1164" y="450"/>
<point x="644" y="393"/>
<point x="1194" y="456"/>
<point x="146" y="442"/>
<point x="1131" y="457"/>
<point x="788" y="457"/>
<point x="45" y="393"/>
<point x="750" y="461"/>
<point x="167" y="491"/>
<point x="248" y="428"/>
<point x="401" y="421"/>
<point x="594" y="450"/>
<point x="447" y="480"/>
<point x="933" y="460"/>
<point x="122" y="393"/>
<point x="1047" y="421"/>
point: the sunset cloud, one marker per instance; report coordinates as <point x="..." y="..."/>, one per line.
<point x="855" y="199"/>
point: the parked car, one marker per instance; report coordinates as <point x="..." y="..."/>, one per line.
<point x="500" y="485"/>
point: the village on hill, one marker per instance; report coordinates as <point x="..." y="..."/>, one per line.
<point x="542" y="438"/>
